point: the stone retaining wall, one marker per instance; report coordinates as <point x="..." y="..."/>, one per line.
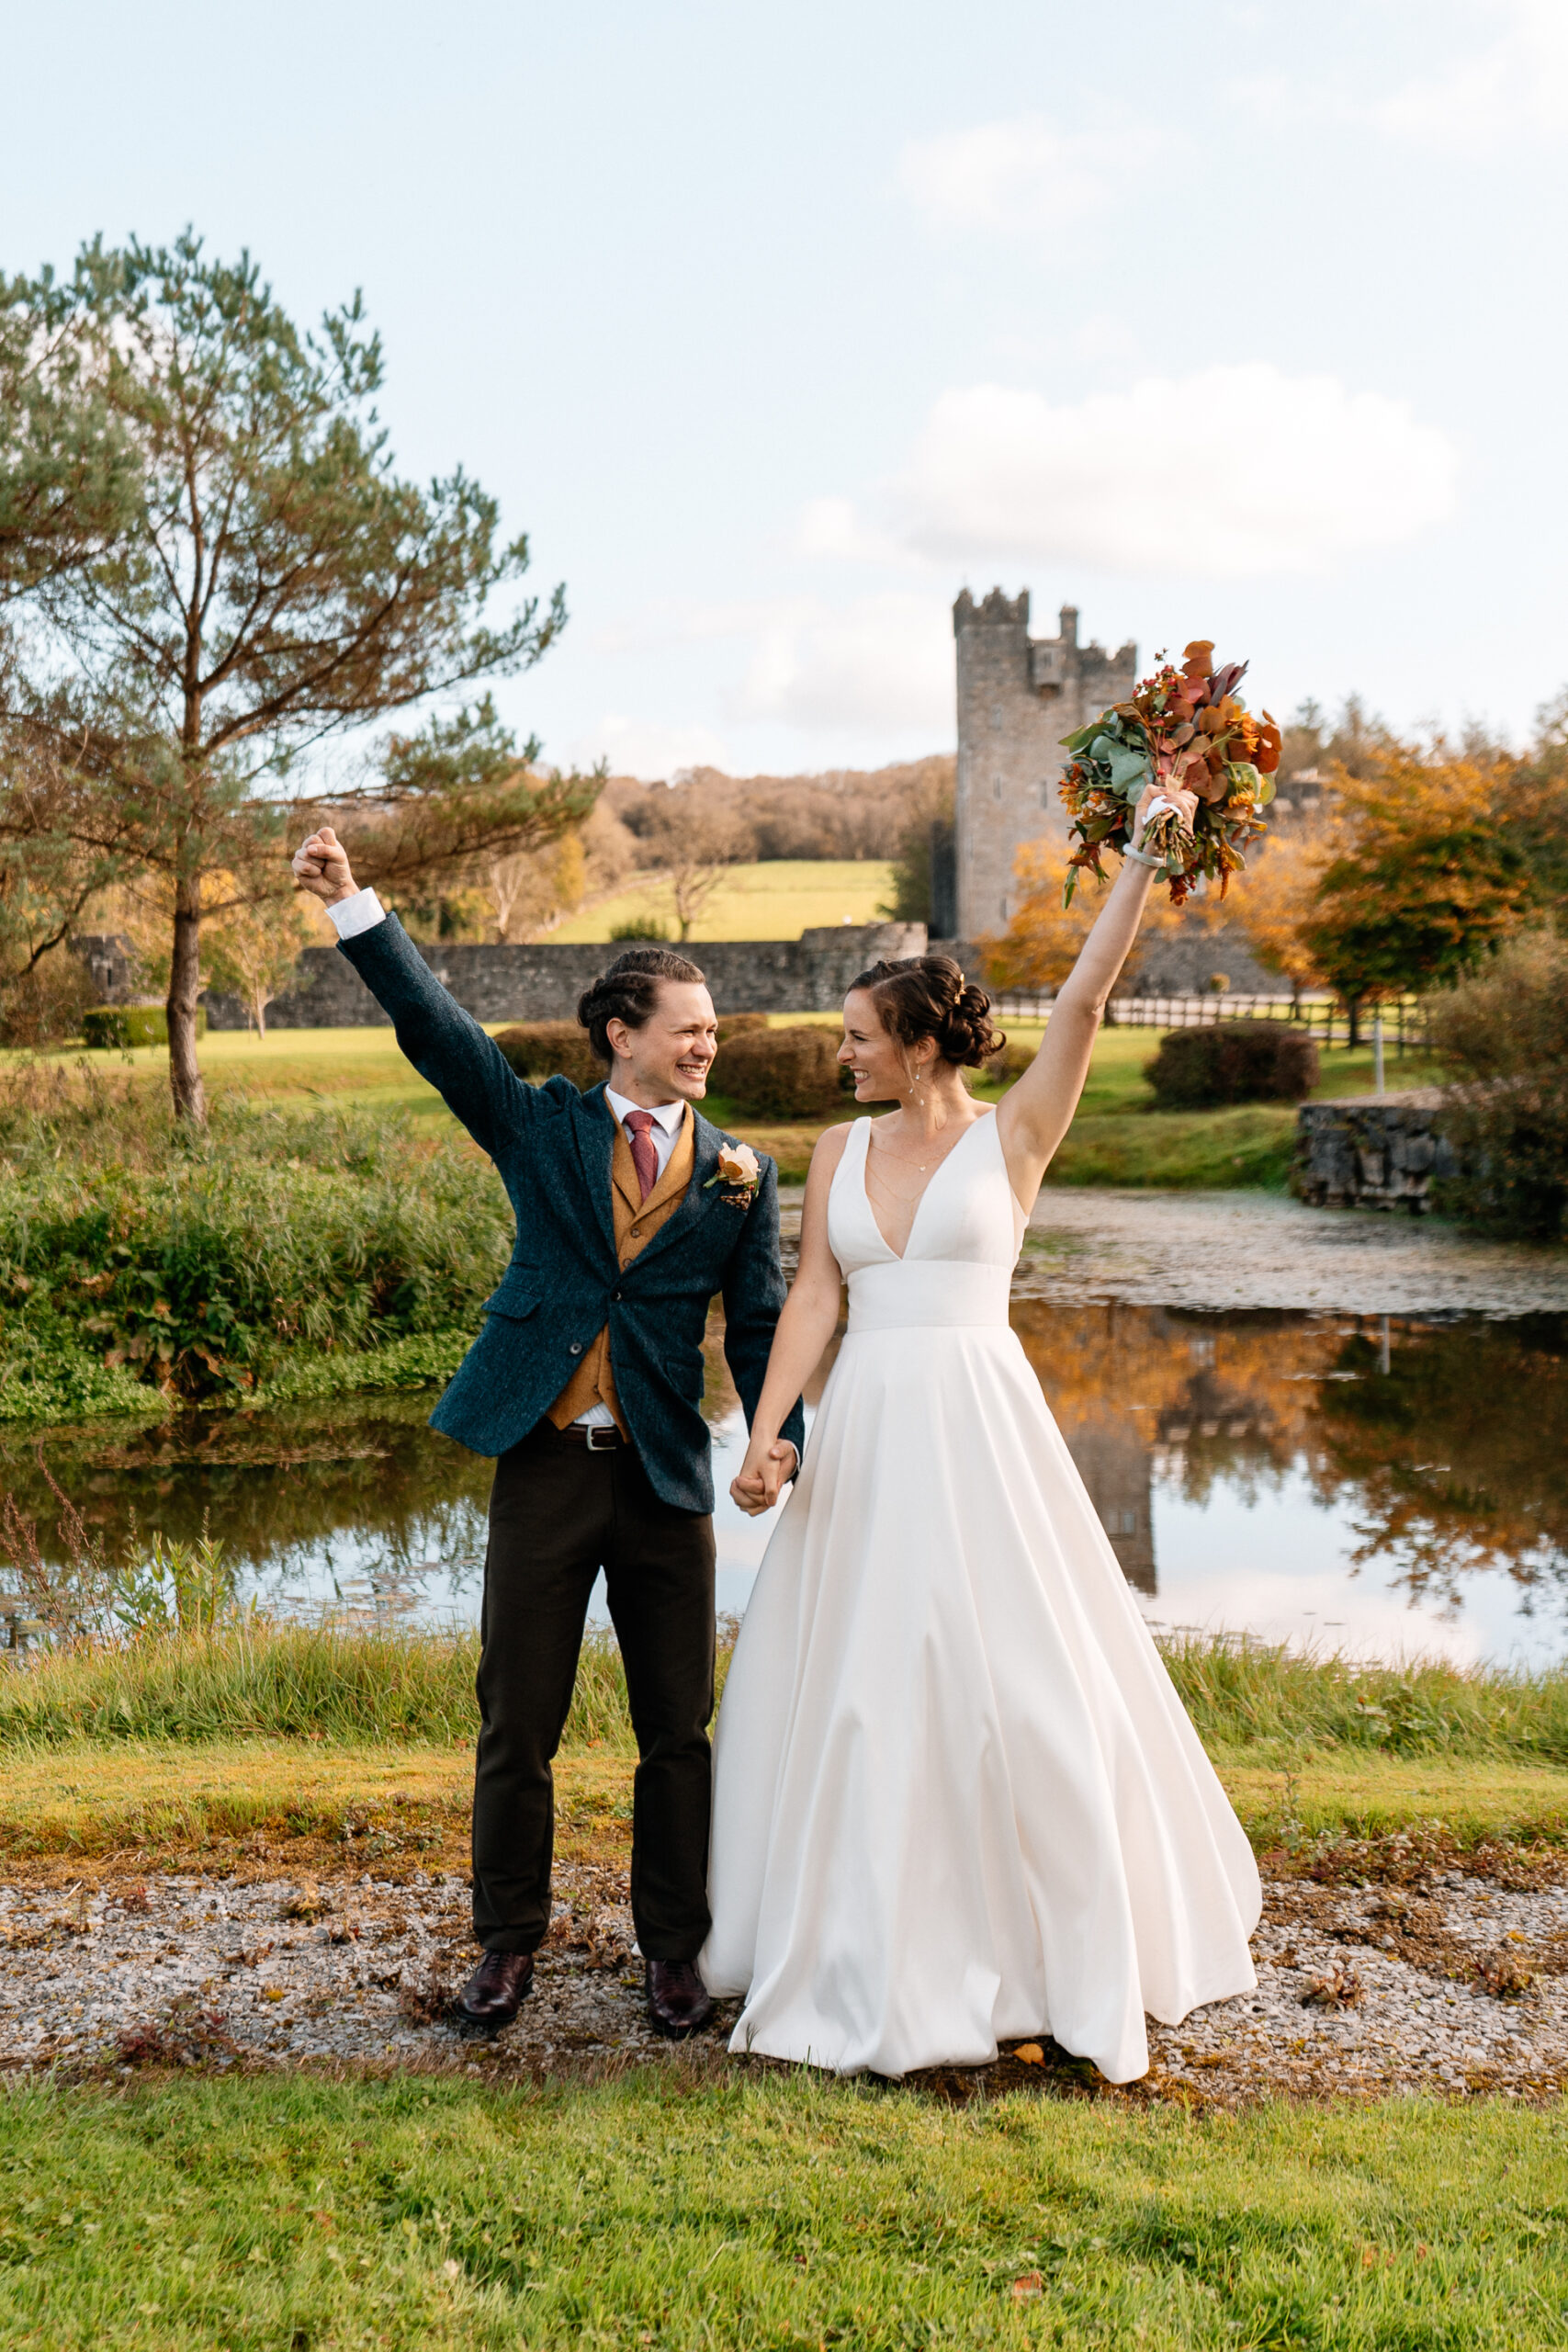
<point x="543" y="981"/>
<point x="1371" y="1151"/>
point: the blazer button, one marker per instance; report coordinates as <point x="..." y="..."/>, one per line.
<point x="576" y="1348"/>
<point x="615" y="1297"/>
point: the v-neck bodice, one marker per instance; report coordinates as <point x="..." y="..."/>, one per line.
<point x="964" y="1242"/>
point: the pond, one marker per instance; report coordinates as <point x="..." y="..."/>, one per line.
<point x="1384" y="1484"/>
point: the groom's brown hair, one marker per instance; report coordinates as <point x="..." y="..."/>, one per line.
<point x="628" y="992"/>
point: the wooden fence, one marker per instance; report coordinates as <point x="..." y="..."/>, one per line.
<point x="1323" y="1017"/>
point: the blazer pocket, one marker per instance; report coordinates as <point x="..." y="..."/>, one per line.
<point x="516" y="1295"/>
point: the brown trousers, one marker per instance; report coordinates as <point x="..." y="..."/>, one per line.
<point x="557" y="1515"/>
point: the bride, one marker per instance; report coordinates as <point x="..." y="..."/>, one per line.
<point x="957" y="1798"/>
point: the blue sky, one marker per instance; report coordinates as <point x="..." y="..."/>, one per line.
<point x="775" y="328"/>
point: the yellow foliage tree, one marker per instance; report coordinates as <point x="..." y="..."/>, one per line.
<point x="1042" y="942"/>
<point x="1428" y="871"/>
<point x="1275" y="900"/>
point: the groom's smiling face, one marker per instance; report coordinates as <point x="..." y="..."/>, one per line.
<point x="668" y="1060"/>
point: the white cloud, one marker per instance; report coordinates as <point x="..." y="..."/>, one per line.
<point x="881" y="664"/>
<point x="1232" y="473"/>
<point x="1020" y="177"/>
<point x="647" y="748"/>
<point x="1519" y="82"/>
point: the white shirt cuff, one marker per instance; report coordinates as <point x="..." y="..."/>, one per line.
<point x="361" y="913"/>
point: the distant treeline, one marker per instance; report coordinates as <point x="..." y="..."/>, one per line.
<point x="844" y="812"/>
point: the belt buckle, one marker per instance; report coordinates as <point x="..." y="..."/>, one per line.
<point x="607" y="1432"/>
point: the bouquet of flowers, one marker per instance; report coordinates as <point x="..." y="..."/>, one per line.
<point x="1187" y="727"/>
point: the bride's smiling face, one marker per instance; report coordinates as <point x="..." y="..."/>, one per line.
<point x="883" y="1066"/>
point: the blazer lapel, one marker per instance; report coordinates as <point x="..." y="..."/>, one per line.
<point x="698" y="1200"/>
<point x="595" y="1129"/>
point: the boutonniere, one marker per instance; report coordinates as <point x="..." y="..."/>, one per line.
<point x="740" y="1172"/>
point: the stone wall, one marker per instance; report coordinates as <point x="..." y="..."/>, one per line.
<point x="1184" y="962"/>
<point x="1371" y="1151"/>
<point x="543" y="981"/>
<point x="1017" y="698"/>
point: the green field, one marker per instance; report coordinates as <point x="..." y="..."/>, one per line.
<point x="759" y="2211"/>
<point x="776" y="900"/>
<point x="1118" y="1137"/>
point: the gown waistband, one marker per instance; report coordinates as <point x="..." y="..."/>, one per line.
<point x="925" y="1292"/>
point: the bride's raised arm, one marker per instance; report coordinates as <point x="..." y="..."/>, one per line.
<point x="1036" y="1113"/>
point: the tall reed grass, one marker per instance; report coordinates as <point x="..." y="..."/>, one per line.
<point x="353" y="1685"/>
<point x="141" y="1263"/>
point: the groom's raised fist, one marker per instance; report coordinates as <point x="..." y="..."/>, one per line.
<point x="321" y="866"/>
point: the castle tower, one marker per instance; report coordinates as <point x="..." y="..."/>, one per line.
<point x="1017" y="698"/>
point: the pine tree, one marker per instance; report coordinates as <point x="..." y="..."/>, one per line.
<point x="209" y="567"/>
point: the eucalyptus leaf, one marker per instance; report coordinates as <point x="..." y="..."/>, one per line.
<point x="1128" y="766"/>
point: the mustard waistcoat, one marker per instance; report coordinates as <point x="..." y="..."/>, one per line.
<point x="637" y="1222"/>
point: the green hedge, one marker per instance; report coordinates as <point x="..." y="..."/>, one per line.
<point x="1234" y="1062"/>
<point x="781" y="1073"/>
<point x="121" y="1027"/>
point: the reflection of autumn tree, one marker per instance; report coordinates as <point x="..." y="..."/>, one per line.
<point x="1225" y="1398"/>
<point x="1456" y="1458"/>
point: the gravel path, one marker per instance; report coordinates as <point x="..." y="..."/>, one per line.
<point x="1450" y="1982"/>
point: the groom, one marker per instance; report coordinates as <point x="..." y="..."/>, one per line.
<point x="586" y="1382"/>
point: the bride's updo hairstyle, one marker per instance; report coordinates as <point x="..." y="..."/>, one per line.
<point x="928" y="996"/>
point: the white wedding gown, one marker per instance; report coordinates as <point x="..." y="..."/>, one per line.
<point x="957" y="1798"/>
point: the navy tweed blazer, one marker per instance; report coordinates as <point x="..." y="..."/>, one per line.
<point x="552" y="1149"/>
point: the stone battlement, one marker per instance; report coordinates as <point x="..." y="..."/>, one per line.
<point x="1017" y="696"/>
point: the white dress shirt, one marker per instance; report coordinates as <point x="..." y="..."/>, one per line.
<point x="363" y="911"/>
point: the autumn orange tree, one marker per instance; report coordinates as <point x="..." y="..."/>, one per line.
<point x="1042" y="941"/>
<point x="1429" y="871"/>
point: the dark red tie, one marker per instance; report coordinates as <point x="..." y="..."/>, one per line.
<point x="645" y="1159"/>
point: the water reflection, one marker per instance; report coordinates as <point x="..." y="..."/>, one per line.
<point x="1377" y="1484"/>
<point x="358" y="1507"/>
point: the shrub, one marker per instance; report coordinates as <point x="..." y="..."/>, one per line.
<point x="735" y="1024"/>
<point x="538" y="1049"/>
<point x="121" y="1027"/>
<point x="780" y="1073"/>
<point x="639" y="927"/>
<point x="1008" y="1066"/>
<point x="47" y="1005"/>
<point x="1234" y="1062"/>
<point x="1502" y="1037"/>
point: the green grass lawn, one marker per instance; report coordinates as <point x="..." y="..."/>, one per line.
<point x="764" y="2210"/>
<point x="1118" y="1137"/>
<point x="776" y="900"/>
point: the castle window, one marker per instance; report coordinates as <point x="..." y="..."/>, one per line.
<point x="996" y="714"/>
<point x="1044" y="795"/>
<point x="996" y="787"/>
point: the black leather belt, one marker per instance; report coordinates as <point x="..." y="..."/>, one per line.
<point x="598" y="1436"/>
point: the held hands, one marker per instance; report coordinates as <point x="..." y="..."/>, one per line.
<point x="321" y="866"/>
<point x="766" y="1469"/>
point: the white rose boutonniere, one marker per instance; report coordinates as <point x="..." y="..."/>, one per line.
<point x="739" y="1172"/>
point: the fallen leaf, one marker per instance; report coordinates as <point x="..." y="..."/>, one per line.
<point x="1030" y="2053"/>
<point x="1030" y="2284"/>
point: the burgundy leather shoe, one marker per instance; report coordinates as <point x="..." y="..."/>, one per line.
<point x="678" y="2001"/>
<point x="494" y="1992"/>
